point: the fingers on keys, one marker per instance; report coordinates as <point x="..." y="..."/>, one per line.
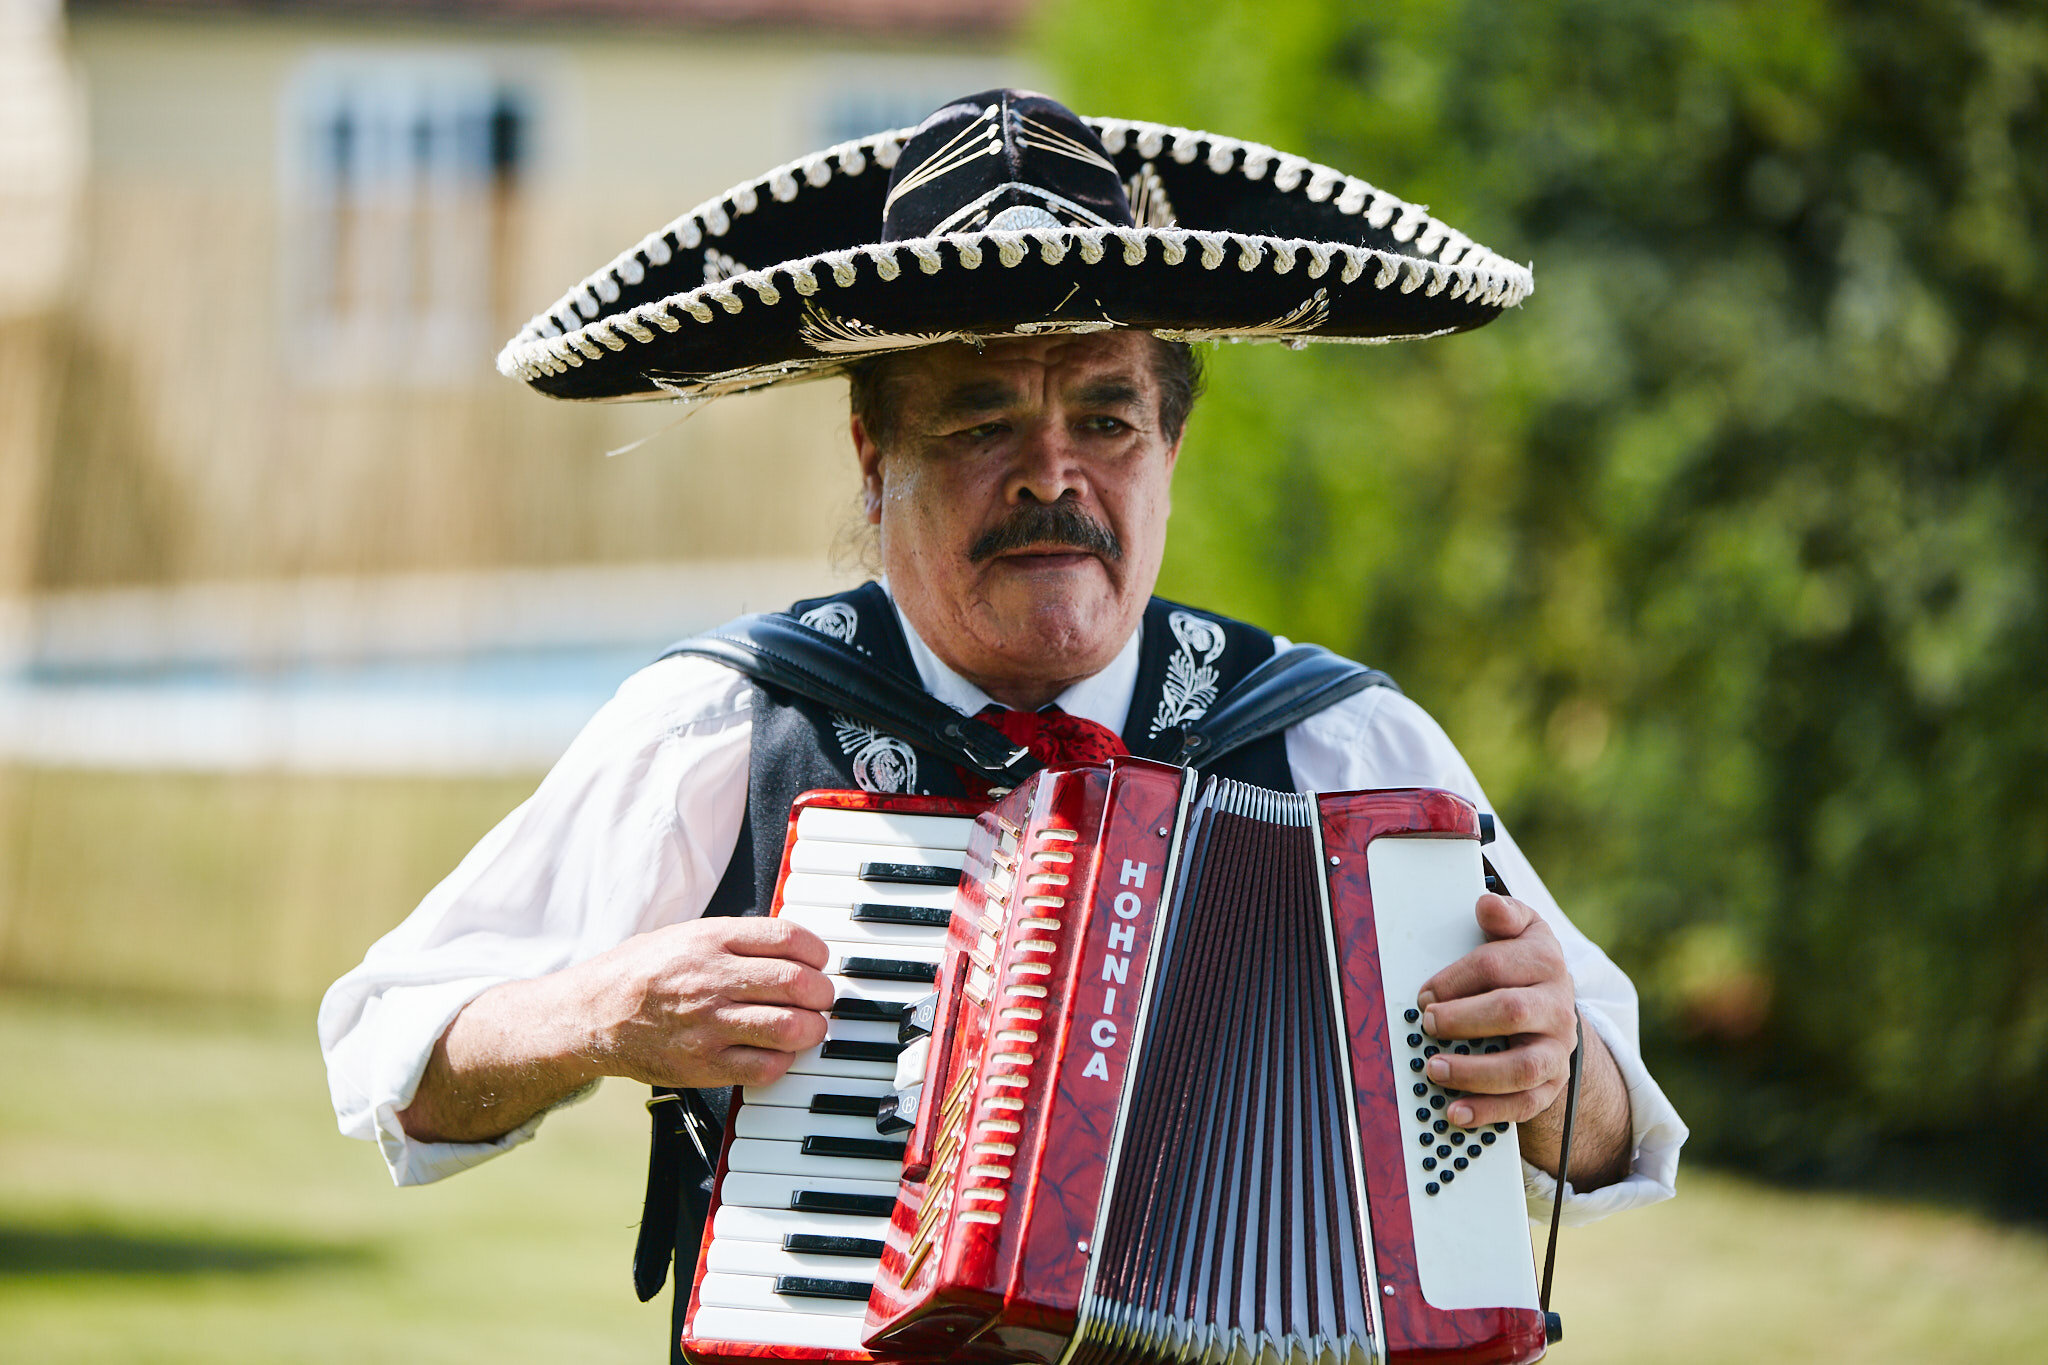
<point x="773" y="1027"/>
<point x="749" y="936"/>
<point x="743" y="1065"/>
<point x="1513" y="1082"/>
<point x="1503" y="1012"/>
<point x="778" y="981"/>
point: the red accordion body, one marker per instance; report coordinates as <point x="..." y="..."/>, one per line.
<point x="1172" y="1106"/>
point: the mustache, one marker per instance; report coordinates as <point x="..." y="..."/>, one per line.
<point x="1047" y="523"/>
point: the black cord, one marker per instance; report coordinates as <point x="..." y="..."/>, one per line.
<point x="1564" y="1161"/>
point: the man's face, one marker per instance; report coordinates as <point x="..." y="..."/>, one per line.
<point x="1022" y="503"/>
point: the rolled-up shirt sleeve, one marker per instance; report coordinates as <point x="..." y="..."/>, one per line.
<point x="1379" y="738"/>
<point x="630" y="831"/>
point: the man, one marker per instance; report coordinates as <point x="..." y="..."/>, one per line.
<point x="1019" y="474"/>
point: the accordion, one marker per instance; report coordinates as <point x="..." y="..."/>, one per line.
<point x="1125" y="1067"/>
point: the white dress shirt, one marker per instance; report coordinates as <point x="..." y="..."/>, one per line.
<point x="633" y="828"/>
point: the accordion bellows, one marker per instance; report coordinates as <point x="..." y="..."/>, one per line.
<point x="1172" y="1106"/>
<point x="1234" y="1234"/>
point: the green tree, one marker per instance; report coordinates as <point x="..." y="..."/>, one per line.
<point x="1723" y="557"/>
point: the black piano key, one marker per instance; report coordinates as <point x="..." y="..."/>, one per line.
<point x="910" y="874"/>
<point x="873" y="1011"/>
<point x="866" y="1149"/>
<point x="888" y="969"/>
<point x="898" y="1112"/>
<point x="854" y="1050"/>
<point x="922" y="916"/>
<point x="847" y="1106"/>
<point x="810" y="1287"/>
<point x="831" y="1201"/>
<point x="824" y="1244"/>
<point x="919" y="1019"/>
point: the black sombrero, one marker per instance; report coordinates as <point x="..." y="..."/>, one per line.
<point x="1004" y="214"/>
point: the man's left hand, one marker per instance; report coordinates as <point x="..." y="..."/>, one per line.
<point x="1516" y="987"/>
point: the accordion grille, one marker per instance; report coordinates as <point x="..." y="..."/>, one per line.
<point x="1232" y="1233"/>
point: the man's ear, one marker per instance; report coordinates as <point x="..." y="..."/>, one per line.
<point x="870" y="457"/>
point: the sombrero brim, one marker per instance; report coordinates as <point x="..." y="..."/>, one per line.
<point x="1262" y="246"/>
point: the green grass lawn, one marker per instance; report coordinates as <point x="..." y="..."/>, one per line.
<point x="172" y="1189"/>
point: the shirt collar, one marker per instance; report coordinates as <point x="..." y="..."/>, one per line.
<point x="1104" y="698"/>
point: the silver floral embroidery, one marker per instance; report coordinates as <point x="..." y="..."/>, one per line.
<point x="1191" y="673"/>
<point x="881" y="762"/>
<point x="835" y="619"/>
<point x="827" y="332"/>
<point x="1306" y="316"/>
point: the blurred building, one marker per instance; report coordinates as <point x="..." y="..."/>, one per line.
<point x="256" y="260"/>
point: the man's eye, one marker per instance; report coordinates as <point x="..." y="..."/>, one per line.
<point x="1105" y="425"/>
<point x="982" y="431"/>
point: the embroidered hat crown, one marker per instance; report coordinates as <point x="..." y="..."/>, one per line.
<point x="1003" y="160"/>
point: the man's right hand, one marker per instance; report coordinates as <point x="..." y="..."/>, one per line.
<point x="724" y="1001"/>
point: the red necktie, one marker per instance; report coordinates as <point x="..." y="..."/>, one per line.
<point x="1055" y="738"/>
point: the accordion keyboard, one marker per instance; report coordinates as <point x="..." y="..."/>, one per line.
<point x="810" y="1182"/>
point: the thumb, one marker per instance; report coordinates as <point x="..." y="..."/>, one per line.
<point x="1504" y="916"/>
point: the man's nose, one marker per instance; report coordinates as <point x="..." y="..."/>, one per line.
<point x="1047" y="466"/>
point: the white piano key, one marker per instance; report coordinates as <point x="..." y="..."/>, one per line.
<point x="794" y="1125"/>
<point x="744" y="1223"/>
<point x="787" y="1158"/>
<point x="867" y="988"/>
<point x="911" y="1062"/>
<point x="813" y="1062"/>
<point x="760" y="1258"/>
<point x="820" y="1331"/>
<point x="884" y="827"/>
<point x="758" y="1292"/>
<point x="807" y="888"/>
<point x="845" y="859"/>
<point x="752" y="1189"/>
<point x="833" y="924"/>
<point x="795" y="1092"/>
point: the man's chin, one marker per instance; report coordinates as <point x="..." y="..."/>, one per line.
<point x="1065" y="604"/>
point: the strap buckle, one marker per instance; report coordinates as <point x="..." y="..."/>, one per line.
<point x="687" y="1123"/>
<point x="987" y="755"/>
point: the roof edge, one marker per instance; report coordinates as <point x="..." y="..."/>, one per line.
<point x="873" y="18"/>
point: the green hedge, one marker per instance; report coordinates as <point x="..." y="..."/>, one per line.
<point x="1723" y="557"/>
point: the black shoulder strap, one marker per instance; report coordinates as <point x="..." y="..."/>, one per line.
<point x="1288" y="688"/>
<point x="680" y="1163"/>
<point x="780" y="652"/>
